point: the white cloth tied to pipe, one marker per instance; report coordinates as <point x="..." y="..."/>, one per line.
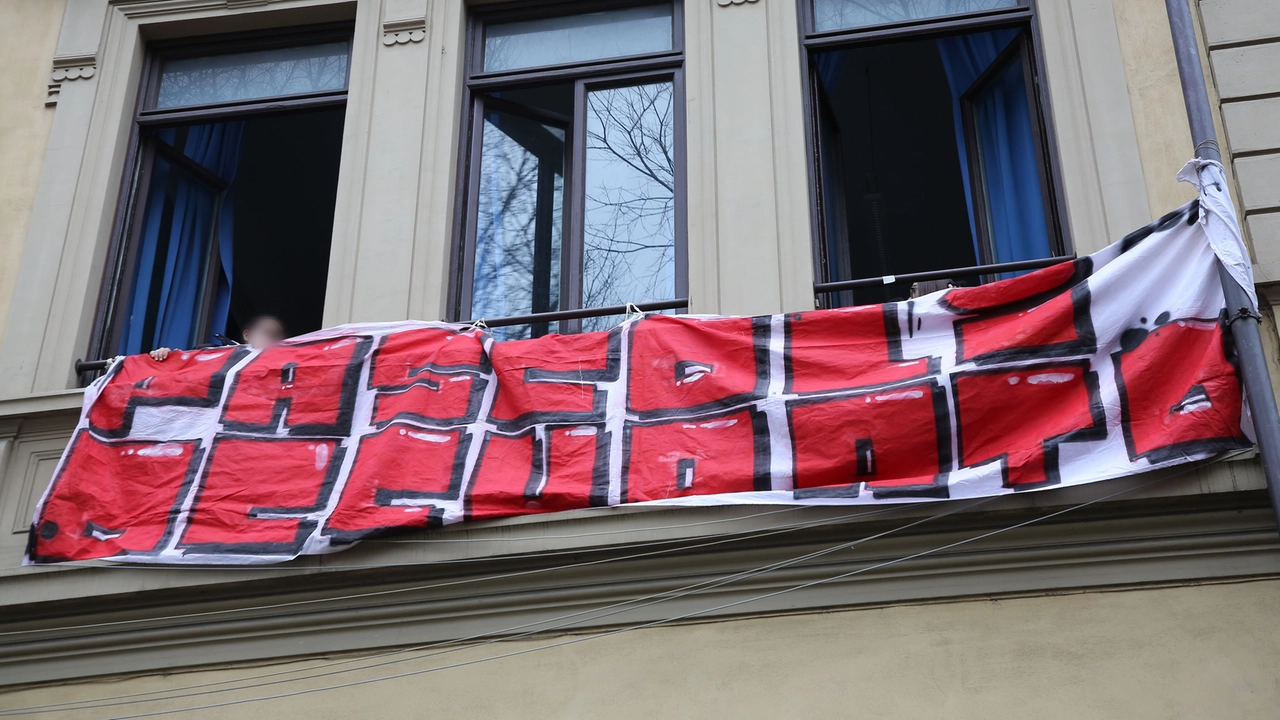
<point x="1218" y="216"/>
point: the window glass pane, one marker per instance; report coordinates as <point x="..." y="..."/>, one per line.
<point x="577" y="38"/>
<point x="629" y="208"/>
<point x="520" y="203"/>
<point x="252" y="75"/>
<point x="839" y="14"/>
<point x="1010" y="171"/>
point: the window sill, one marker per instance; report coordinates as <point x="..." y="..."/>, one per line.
<point x="41" y="403"/>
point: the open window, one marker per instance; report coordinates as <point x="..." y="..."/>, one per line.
<point x="932" y="161"/>
<point x="574" y="196"/>
<point x="229" y="207"/>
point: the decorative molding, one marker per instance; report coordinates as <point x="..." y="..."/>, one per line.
<point x="1115" y="549"/>
<point x="40" y="465"/>
<point x="406" y="30"/>
<point x="169" y="8"/>
<point x="33" y="446"/>
<point x="63" y="401"/>
<point x="67" y="68"/>
<point x="727" y="3"/>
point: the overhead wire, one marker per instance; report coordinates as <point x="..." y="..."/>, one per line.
<point x="732" y="536"/>
<point x="625" y="606"/>
<point x="640" y="626"/>
<point x="320" y="569"/>
<point x="496" y="636"/>
<point x="791" y="508"/>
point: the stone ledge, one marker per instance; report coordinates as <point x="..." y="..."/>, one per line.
<point x="1129" y="545"/>
<point x="61" y="401"/>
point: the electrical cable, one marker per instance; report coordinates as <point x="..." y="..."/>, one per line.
<point x="670" y="594"/>
<point x="791" y="508"/>
<point x="647" y="624"/>
<point x="497" y="636"/>
<point x="745" y="535"/>
<point x="320" y="569"/>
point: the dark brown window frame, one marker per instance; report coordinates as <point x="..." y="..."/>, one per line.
<point x="1025" y="17"/>
<point x="593" y="74"/>
<point x="117" y="280"/>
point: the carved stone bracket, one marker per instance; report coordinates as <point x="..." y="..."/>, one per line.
<point x="400" y="32"/>
<point x="727" y="3"/>
<point x="67" y="68"/>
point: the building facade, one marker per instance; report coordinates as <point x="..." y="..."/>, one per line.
<point x="175" y="167"/>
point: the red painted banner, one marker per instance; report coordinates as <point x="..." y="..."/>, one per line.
<point x="1091" y="369"/>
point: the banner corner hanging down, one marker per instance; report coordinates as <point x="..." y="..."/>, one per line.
<point x="1090" y="369"/>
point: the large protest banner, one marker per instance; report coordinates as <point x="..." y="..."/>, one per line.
<point x="1091" y="369"/>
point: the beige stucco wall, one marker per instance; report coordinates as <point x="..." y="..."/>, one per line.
<point x="1188" y="652"/>
<point x="1155" y="94"/>
<point x="28" y="34"/>
<point x="1159" y="117"/>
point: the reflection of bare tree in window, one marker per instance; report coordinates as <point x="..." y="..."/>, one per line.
<point x="628" y="208"/>
<point x="629" y="229"/>
<point x="267" y="73"/>
<point x="498" y="53"/>
<point x="832" y="14"/>
<point x="577" y="38"/>
<point x="514" y="272"/>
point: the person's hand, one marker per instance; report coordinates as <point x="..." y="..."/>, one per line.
<point x="160" y="354"/>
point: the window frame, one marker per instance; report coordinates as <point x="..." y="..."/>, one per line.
<point x="1024" y="17"/>
<point x="586" y="76"/>
<point x="118" y="269"/>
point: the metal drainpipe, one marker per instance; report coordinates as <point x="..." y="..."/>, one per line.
<point x="1244" y="327"/>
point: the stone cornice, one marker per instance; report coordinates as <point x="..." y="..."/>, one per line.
<point x="65" y="401"/>
<point x="67" y="68"/>
<point x="405" y="30"/>
<point x="1137" y="544"/>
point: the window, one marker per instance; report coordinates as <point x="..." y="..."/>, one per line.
<point x="932" y="162"/>
<point x="574" y="168"/>
<point x="230" y="194"/>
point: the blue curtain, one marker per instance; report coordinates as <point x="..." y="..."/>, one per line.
<point x="1008" y="151"/>
<point x="174" y="244"/>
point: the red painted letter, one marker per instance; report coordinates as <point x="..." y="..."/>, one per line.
<point x="114" y="498"/>
<point x="193" y="378"/>
<point x="896" y="440"/>
<point x="310" y="387"/>
<point x="1178" y="393"/>
<point x="395" y="472"/>
<point x="255" y="491"/>
<point x="994" y="421"/>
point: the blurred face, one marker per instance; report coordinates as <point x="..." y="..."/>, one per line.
<point x="265" y="332"/>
